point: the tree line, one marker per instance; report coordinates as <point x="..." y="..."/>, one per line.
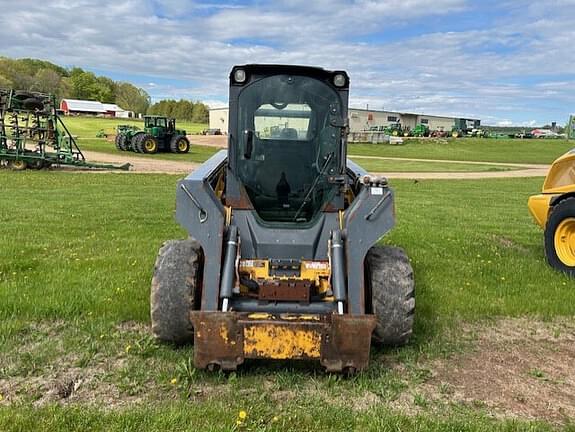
<point x="196" y="112"/>
<point x="76" y="83"/>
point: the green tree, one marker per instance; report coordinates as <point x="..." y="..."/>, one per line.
<point x="81" y="84"/>
<point x="201" y="113"/>
<point x="132" y="98"/>
<point x="104" y="90"/>
<point x="183" y="110"/>
<point x="47" y="81"/>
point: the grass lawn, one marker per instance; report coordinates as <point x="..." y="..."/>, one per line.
<point x="88" y="127"/>
<point x="386" y="166"/>
<point x="74" y="289"/>
<point x="197" y="153"/>
<point x="537" y="151"/>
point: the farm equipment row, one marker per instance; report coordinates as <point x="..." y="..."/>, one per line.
<point x="32" y="134"/>
<point x="463" y="129"/>
<point x="159" y="135"/>
<point x="423" y="130"/>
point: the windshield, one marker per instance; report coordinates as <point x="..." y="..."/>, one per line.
<point x="294" y="147"/>
<point x="289" y="123"/>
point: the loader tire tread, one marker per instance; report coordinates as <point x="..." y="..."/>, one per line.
<point x="391" y="288"/>
<point x="175" y="288"/>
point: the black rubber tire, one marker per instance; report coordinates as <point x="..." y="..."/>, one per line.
<point x="33" y="104"/>
<point x="19" y="165"/>
<point x="136" y="142"/>
<point x="36" y="164"/>
<point x="118" y="141"/>
<point x="141" y="144"/>
<point x="130" y="143"/>
<point x="175" y="287"/>
<point x="391" y="294"/>
<point x="563" y="210"/>
<point x="124" y="143"/>
<point x="175" y="144"/>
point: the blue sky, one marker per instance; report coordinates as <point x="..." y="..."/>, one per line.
<point x="506" y="62"/>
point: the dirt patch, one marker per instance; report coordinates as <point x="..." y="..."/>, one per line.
<point x="69" y="376"/>
<point x="508" y="243"/>
<point x="519" y="368"/>
<point x="153" y="165"/>
<point x="142" y="163"/>
<point x="364" y="401"/>
<point x="63" y="382"/>
<point x="219" y="141"/>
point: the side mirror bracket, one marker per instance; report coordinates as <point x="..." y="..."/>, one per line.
<point x="248" y="143"/>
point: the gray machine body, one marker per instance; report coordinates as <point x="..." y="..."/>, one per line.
<point x="201" y="213"/>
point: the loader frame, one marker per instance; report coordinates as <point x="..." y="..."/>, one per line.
<point x="230" y="327"/>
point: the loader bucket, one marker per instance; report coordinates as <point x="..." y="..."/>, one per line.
<point x="224" y="339"/>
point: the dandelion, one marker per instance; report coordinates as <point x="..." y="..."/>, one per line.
<point x="242" y="415"/>
<point x="128" y="348"/>
<point x="174" y="381"/>
<point x="238" y="422"/>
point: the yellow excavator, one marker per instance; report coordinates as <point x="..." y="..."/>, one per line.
<point x="554" y="211"/>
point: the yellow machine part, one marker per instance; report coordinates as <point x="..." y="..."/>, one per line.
<point x="561" y="176"/>
<point x="227" y="338"/>
<point x="560" y="180"/>
<point x="281" y="342"/>
<point x="564" y="241"/>
<point x="539" y="208"/>
<point x="316" y="271"/>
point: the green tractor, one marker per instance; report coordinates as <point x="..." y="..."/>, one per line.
<point x="124" y="135"/>
<point x="159" y="134"/>
<point x="421" y="130"/>
<point x="465" y="127"/>
<point x="393" y="129"/>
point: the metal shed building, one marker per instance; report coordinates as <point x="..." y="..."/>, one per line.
<point x="363" y="119"/>
<point x="77" y="107"/>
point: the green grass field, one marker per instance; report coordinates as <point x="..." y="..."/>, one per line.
<point x="536" y="151"/>
<point x="74" y="288"/>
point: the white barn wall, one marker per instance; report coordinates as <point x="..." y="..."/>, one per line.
<point x="218" y="119"/>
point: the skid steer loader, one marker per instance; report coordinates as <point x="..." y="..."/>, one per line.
<point x="280" y="262"/>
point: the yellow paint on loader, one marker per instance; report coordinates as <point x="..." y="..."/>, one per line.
<point x="560" y="180"/>
<point x="315" y="271"/>
<point x="564" y="240"/>
<point x="281" y="342"/>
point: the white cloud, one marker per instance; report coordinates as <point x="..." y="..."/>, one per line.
<point x="519" y="68"/>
